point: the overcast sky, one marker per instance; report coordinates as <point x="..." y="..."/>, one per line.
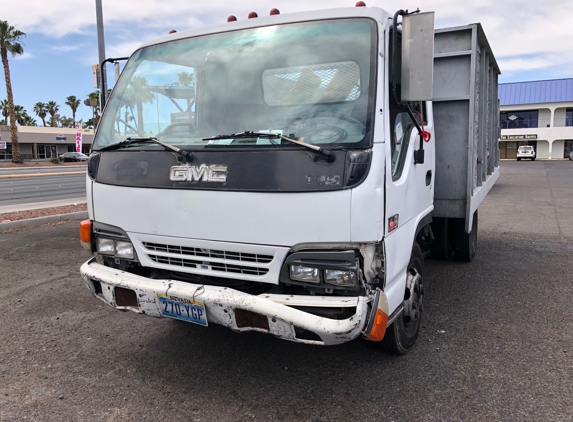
<point x="532" y="40"/>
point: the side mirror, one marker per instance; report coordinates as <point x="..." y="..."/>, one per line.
<point x="417" y="57"/>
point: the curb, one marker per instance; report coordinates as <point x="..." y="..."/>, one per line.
<point x="34" y="222"/>
<point x="21" y="176"/>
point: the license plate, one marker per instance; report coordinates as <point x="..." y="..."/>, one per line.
<point x="184" y="309"/>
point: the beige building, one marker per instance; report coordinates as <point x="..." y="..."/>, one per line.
<point x="538" y="113"/>
<point x="39" y="143"/>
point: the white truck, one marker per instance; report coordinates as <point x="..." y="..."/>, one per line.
<point x="288" y="174"/>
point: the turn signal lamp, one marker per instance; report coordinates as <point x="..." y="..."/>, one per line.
<point x="360" y="4"/>
<point x="86" y="235"/>
<point x="231" y="18"/>
<point x="275" y="11"/>
<point x="253" y="15"/>
<point x="173" y="31"/>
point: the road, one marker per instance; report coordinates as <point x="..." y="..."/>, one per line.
<point x="41" y="188"/>
<point x="496" y="342"/>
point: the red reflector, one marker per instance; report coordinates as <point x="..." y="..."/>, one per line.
<point x="231" y="18"/>
<point x="173" y="31"/>
<point x="360" y="4"/>
<point x="253" y="15"/>
<point x="275" y="11"/>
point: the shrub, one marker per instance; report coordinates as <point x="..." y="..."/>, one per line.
<point x="55" y="160"/>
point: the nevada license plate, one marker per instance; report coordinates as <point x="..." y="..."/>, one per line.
<point x="184" y="309"/>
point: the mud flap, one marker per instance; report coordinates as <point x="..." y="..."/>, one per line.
<point x="378" y="320"/>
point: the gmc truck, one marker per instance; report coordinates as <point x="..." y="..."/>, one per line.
<point x="288" y="174"/>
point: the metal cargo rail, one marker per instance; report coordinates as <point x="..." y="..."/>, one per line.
<point x="466" y="114"/>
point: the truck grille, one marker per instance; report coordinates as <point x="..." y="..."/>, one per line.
<point x="208" y="253"/>
<point x="208" y="259"/>
<point x="206" y="265"/>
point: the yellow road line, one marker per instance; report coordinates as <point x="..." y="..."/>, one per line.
<point x="20" y="176"/>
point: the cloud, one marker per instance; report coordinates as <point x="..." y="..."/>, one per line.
<point x="24" y="56"/>
<point x="65" y="48"/>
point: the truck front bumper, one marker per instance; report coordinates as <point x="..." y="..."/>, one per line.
<point x="221" y="304"/>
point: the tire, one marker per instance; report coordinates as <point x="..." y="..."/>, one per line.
<point x="532" y="158"/>
<point x="402" y="334"/>
<point x="465" y="244"/>
<point x="441" y="247"/>
<point x="518" y="159"/>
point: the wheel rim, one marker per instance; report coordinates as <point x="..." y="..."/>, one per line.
<point x="413" y="303"/>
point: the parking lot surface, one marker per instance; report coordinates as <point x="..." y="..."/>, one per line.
<point x="496" y="342"/>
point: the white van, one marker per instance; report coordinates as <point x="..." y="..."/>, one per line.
<point x="525" y="151"/>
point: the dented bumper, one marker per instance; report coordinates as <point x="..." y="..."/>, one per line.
<point x="222" y="303"/>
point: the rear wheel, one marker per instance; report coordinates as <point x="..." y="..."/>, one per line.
<point x="441" y="246"/>
<point x="465" y="244"/>
<point x="402" y="334"/>
<point x="518" y="159"/>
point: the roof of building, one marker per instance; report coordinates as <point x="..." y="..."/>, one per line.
<point x="551" y="91"/>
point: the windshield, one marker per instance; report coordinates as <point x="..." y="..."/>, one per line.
<point x="310" y="81"/>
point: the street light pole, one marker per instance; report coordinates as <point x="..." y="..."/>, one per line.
<point x="101" y="51"/>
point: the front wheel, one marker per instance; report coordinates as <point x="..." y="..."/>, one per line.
<point x="402" y="334"/>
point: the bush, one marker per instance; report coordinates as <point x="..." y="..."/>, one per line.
<point x="55" y="160"/>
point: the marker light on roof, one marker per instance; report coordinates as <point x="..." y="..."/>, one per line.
<point x="231" y="18"/>
<point x="253" y="15"/>
<point x="173" y="31"/>
<point x="275" y="11"/>
<point x="360" y="4"/>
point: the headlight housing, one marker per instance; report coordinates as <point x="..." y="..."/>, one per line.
<point x="340" y="278"/>
<point x="306" y="274"/>
<point x="117" y="248"/>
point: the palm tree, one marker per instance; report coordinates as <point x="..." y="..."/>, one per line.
<point x="41" y="110"/>
<point x="29" y="121"/>
<point x="185" y="79"/>
<point x="19" y="114"/>
<point x="9" y="42"/>
<point x="67" y="122"/>
<point x="74" y="103"/>
<point x="4" y="109"/>
<point x="140" y="94"/>
<point x="52" y="109"/>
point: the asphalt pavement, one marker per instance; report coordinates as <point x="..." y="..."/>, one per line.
<point x="496" y="342"/>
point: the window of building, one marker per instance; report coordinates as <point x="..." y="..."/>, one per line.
<point x="519" y="119"/>
<point x="569" y="117"/>
<point x="6" y="154"/>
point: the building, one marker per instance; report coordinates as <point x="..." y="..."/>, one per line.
<point x="538" y="113"/>
<point x="38" y="143"/>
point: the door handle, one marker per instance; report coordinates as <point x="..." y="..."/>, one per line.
<point x="428" y="177"/>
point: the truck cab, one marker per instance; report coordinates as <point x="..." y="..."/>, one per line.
<point x="275" y="174"/>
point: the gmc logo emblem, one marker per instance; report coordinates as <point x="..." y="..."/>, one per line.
<point x="202" y="173"/>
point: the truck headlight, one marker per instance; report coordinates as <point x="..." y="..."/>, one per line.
<point x="123" y="249"/>
<point x="105" y="246"/>
<point x="340" y="278"/>
<point x="306" y="274"/>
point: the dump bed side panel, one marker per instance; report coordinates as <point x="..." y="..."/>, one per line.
<point x="466" y="115"/>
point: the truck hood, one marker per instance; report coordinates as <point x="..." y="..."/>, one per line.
<point x="280" y="219"/>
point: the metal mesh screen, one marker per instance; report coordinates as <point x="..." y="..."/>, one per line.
<point x="323" y="83"/>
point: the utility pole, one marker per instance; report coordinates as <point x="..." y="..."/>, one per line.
<point x="101" y="52"/>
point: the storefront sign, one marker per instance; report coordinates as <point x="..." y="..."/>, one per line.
<point x="2" y="145"/>
<point x="60" y="138"/>
<point x="79" y="135"/>
<point x="517" y="137"/>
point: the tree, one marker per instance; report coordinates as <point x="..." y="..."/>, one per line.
<point x="139" y="93"/>
<point x="29" y="121"/>
<point x="9" y="43"/>
<point x="74" y="103"/>
<point x="19" y="113"/>
<point x="67" y="122"/>
<point x="52" y="108"/>
<point x="4" y="109"/>
<point x="185" y="79"/>
<point x="41" y="110"/>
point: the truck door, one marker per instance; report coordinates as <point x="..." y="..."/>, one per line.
<point x="409" y="188"/>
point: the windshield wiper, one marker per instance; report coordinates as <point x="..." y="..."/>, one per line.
<point x="188" y="155"/>
<point x="327" y="155"/>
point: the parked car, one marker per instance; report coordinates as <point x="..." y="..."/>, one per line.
<point x="525" y="151"/>
<point x="571" y="155"/>
<point x="73" y="156"/>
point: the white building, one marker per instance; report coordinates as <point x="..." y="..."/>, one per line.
<point x="538" y="113"/>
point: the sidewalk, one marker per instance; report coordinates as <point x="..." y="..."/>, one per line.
<point x="4" y="209"/>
